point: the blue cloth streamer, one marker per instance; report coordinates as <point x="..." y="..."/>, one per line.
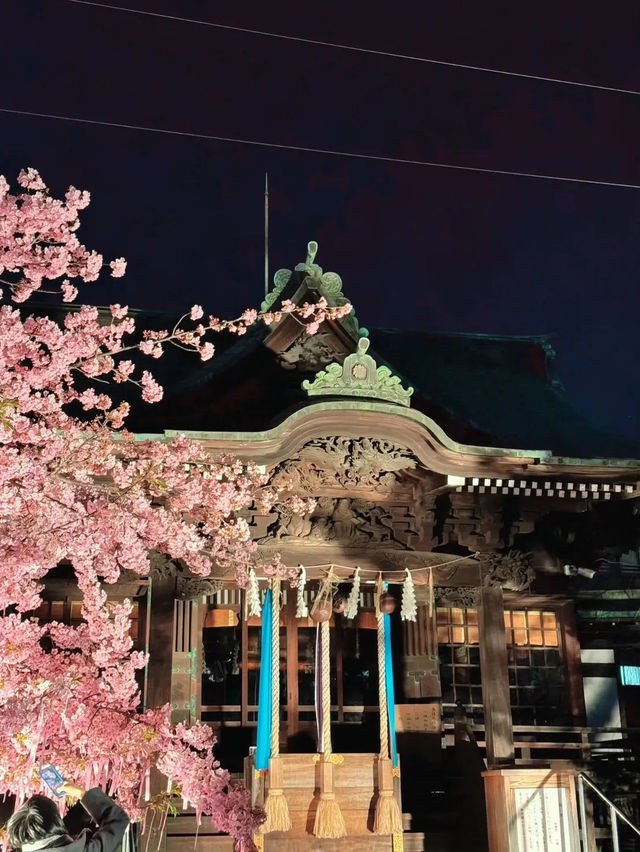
<point x="263" y="741"/>
<point x="391" y="698"/>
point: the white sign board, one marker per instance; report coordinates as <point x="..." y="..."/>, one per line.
<point x="543" y="820"/>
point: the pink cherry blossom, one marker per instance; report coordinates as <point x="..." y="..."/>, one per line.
<point x="73" y="491"/>
<point x="207" y="351"/>
<point x="69" y="292"/>
<point x="118" y="267"/>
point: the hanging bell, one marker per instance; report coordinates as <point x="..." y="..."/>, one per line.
<point x="387" y="603"/>
<point x="339" y="604"/>
<point x="322" y="611"/>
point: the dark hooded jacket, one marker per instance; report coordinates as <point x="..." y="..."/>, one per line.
<point x="111" y="820"/>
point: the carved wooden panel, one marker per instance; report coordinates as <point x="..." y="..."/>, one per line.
<point x="341" y="463"/>
<point x="348" y="521"/>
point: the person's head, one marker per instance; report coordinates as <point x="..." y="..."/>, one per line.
<point x="33" y="825"/>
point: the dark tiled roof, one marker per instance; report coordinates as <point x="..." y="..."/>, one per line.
<point x="496" y="391"/>
<point x="481" y="389"/>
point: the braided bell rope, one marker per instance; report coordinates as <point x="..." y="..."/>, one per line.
<point x="326" y="690"/>
<point x="382" y="687"/>
<point x="275" y="668"/>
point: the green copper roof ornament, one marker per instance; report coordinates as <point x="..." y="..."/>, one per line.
<point x="327" y="284"/>
<point x="359" y="376"/>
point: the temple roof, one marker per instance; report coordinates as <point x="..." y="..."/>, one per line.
<point x="482" y="390"/>
<point x="496" y="390"/>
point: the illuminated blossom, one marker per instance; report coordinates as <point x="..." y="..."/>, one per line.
<point x="118" y="267"/>
<point x="73" y="491"/>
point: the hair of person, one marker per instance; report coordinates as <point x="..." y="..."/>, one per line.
<point x="38" y="819"/>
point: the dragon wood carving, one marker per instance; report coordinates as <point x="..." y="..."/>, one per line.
<point x="352" y="522"/>
<point x="339" y="462"/>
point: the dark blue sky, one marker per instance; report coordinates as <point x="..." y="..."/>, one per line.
<point x="417" y="247"/>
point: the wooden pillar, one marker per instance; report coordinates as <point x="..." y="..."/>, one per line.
<point x="158" y="678"/>
<point x="161" y="639"/>
<point x="571" y="647"/>
<point x="495" y="679"/>
<point x="291" y="664"/>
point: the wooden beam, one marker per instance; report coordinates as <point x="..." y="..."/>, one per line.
<point x="495" y="679"/>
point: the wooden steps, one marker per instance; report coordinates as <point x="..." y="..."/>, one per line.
<point x="412" y="842"/>
<point x="355" y="783"/>
<point x="188" y="843"/>
<point x="356" y="788"/>
<point x="181" y="836"/>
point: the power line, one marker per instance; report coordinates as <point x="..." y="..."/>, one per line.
<point x="354" y="49"/>
<point x="307" y="150"/>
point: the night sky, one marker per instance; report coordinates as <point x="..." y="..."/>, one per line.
<point x="417" y="247"/>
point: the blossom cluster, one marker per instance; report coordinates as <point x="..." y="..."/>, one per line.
<point x="75" y="705"/>
<point x="76" y="488"/>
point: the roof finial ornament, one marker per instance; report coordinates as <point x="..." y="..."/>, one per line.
<point x="359" y="376"/>
<point x="312" y="251"/>
<point x="326" y="284"/>
<point x="310" y="267"/>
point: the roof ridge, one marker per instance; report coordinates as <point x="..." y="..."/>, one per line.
<point x="535" y="338"/>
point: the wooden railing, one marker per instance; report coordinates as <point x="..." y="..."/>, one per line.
<point x="541" y="743"/>
<point x="587" y="833"/>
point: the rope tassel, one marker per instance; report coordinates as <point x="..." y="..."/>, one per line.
<point x="387" y="818"/>
<point x="329" y="822"/>
<point x="276" y="805"/>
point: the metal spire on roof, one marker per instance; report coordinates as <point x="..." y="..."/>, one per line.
<point x="266" y="233"/>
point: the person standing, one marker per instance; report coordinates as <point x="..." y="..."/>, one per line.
<point x="38" y="825"/>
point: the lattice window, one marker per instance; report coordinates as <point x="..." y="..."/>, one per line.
<point x="536" y="668"/>
<point x="71" y="613"/>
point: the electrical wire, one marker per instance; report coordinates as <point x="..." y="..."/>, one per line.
<point x="308" y="150"/>
<point x="354" y="49"/>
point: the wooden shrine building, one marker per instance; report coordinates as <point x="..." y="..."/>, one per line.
<point x="454" y="457"/>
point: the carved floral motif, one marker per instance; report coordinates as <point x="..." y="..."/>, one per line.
<point x="457" y="596"/>
<point x="340" y="462"/>
<point x="511" y="571"/>
<point x="359" y="376"/>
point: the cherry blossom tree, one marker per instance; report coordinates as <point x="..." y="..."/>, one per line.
<point x="76" y="488"/>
